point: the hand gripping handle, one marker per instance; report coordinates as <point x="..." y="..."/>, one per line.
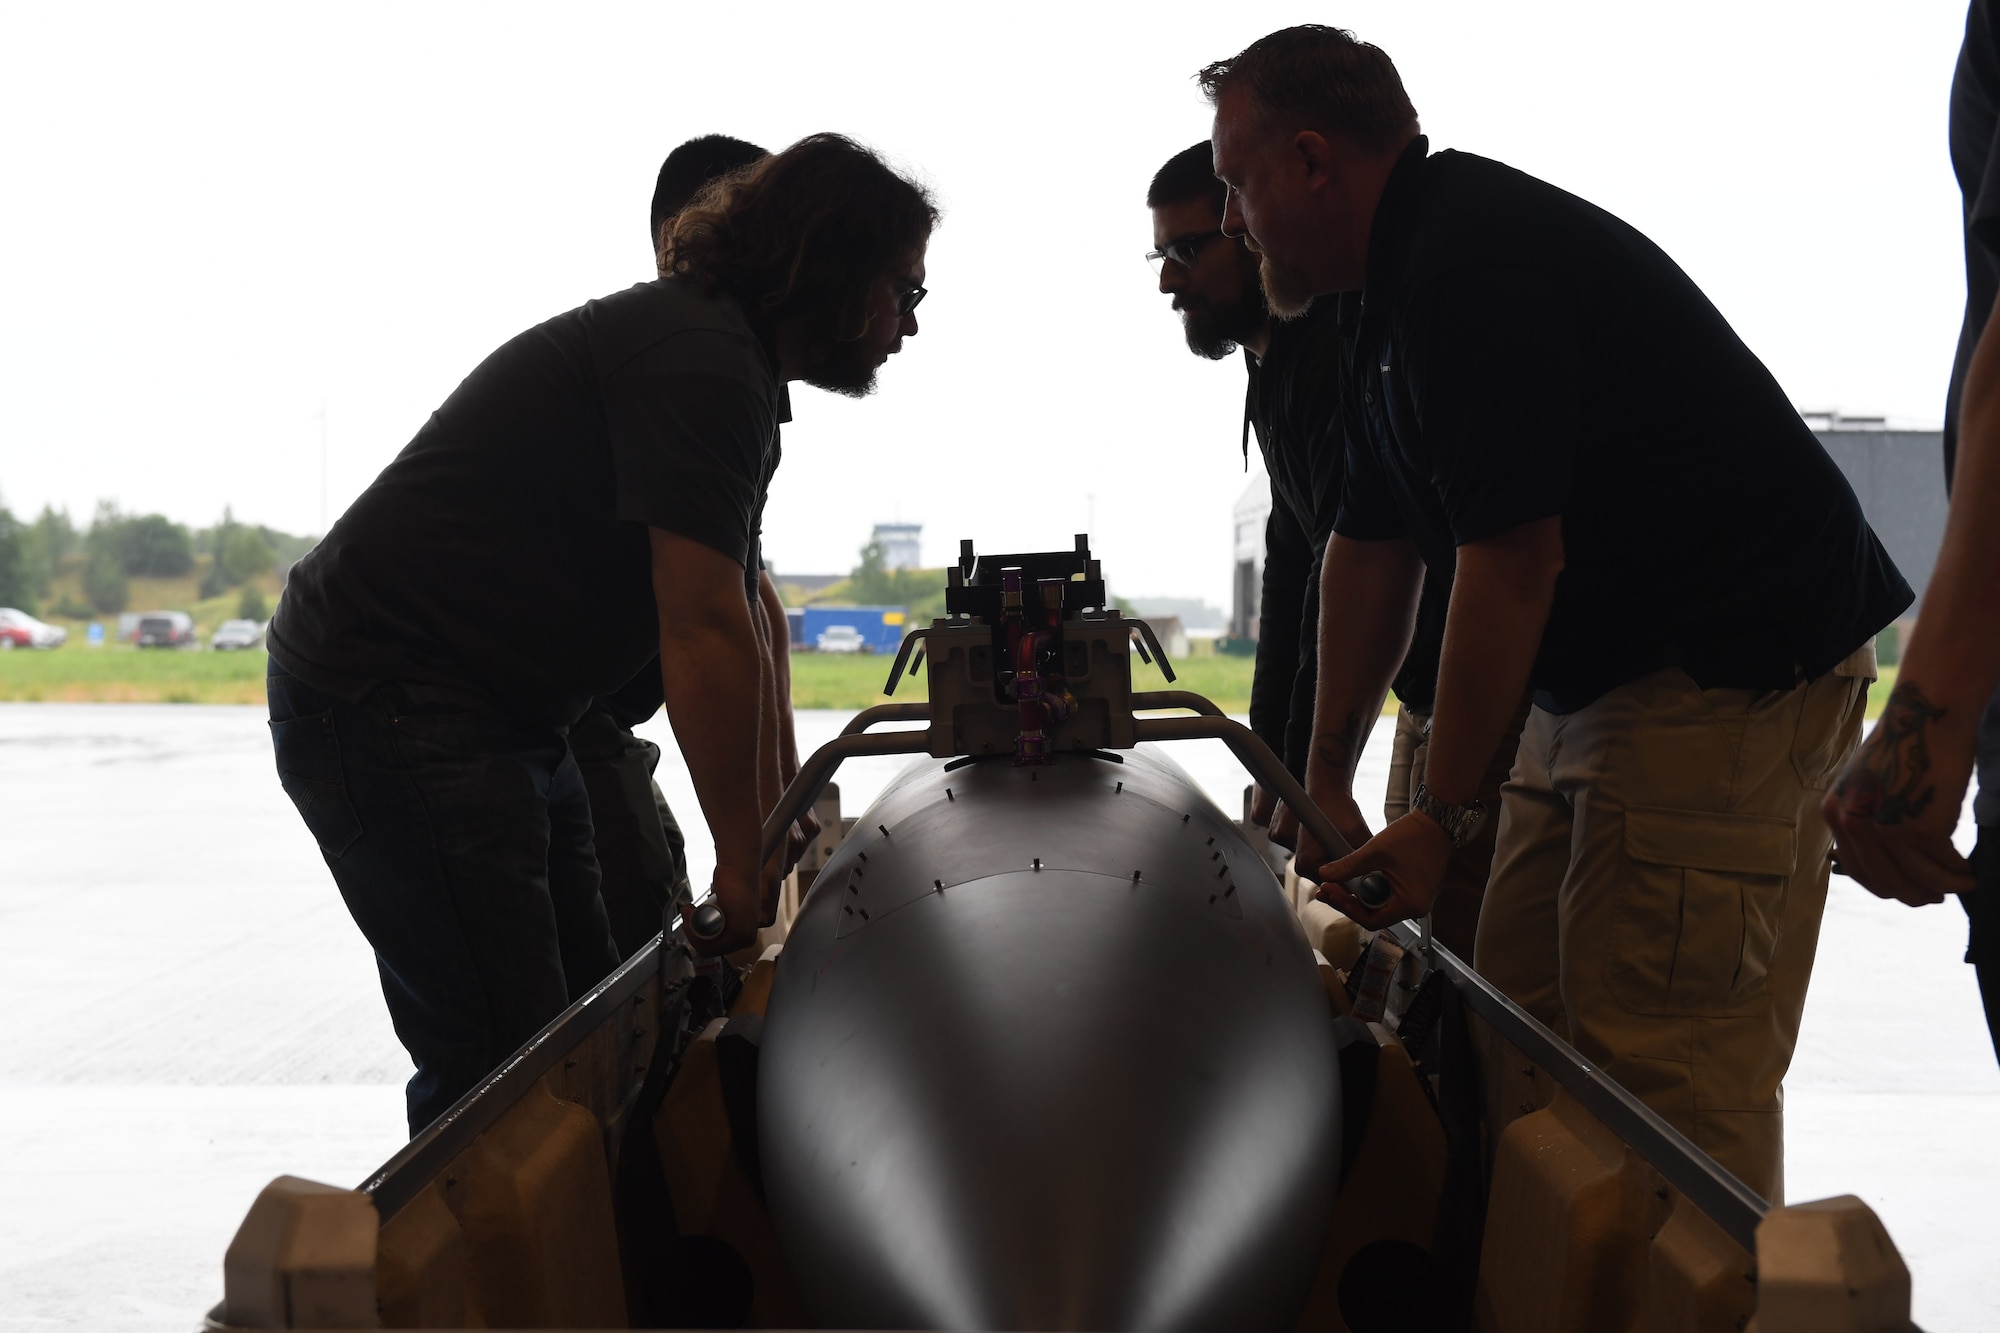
<point x="1371" y="890"/>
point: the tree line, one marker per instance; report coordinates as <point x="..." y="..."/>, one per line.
<point x="117" y="547"/>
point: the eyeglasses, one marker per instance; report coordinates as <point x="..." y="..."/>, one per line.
<point x="910" y="300"/>
<point x="1182" y="250"/>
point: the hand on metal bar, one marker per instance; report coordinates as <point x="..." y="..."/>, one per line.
<point x="1256" y="756"/>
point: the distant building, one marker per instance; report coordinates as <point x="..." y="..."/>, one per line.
<point x="1173" y="635"/>
<point x="902" y="545"/>
<point x="1899" y="475"/>
<point x="1246" y="585"/>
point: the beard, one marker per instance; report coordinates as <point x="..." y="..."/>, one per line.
<point x="1287" y="290"/>
<point x="1214" y="330"/>
<point x="845" y="368"/>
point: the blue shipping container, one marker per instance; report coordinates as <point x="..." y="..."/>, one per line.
<point x="880" y="627"/>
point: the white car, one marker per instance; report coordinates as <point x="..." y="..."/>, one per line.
<point x="231" y="634"/>
<point x="842" y="639"/>
<point x="18" y="629"/>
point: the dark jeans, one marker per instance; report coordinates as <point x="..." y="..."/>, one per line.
<point x="461" y="842"/>
<point x="1982" y="905"/>
<point x="640" y="848"/>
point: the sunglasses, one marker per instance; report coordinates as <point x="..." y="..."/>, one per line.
<point x="910" y="300"/>
<point x="1181" y="250"/>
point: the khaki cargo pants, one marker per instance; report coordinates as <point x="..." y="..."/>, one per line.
<point x="1657" y="889"/>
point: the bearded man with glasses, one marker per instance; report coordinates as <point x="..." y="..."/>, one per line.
<point x="585" y="500"/>
<point x="1293" y="404"/>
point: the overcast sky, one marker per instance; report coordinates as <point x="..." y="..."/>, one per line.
<point x="220" y="219"/>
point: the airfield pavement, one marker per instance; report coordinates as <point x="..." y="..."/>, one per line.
<point x="189" y="1012"/>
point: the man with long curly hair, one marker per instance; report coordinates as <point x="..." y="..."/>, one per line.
<point x="585" y="499"/>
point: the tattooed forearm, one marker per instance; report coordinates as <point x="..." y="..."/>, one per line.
<point x="1890" y="778"/>
<point x="1340" y="749"/>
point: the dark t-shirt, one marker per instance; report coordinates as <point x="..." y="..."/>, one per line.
<point x="503" y="556"/>
<point x="1292" y="402"/>
<point x="639" y="698"/>
<point x="1520" y="354"/>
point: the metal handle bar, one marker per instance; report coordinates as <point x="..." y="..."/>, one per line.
<point x="903" y="651"/>
<point x="1175" y="699"/>
<point x="817" y="771"/>
<point x="1372" y="889"/>
<point x="868" y="717"/>
<point x="1708" y="1185"/>
<point x="1148" y="640"/>
<point x="706" y="921"/>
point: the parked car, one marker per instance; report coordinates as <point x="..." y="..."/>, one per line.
<point x="165" y="629"/>
<point x="18" y="629"/>
<point x="842" y="639"/>
<point x="233" y="634"/>
<point x="880" y="627"/>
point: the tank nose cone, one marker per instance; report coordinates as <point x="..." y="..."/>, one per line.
<point x="1054" y="1098"/>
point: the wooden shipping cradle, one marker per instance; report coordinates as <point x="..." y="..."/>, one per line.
<point x="1088" y="1117"/>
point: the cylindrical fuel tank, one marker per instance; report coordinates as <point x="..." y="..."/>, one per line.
<point x="1047" y="1050"/>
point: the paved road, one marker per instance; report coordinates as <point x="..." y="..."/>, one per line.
<point x="189" y="1012"/>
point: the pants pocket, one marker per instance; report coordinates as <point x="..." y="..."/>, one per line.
<point x="1696" y="927"/>
<point x="308" y="754"/>
<point x="1830" y="721"/>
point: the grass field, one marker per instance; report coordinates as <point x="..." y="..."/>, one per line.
<point x="119" y="673"/>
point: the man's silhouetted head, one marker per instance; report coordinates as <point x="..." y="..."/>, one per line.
<point x="1309" y="122"/>
<point x="825" y="242"/>
<point x="1211" y="277"/>
<point x="691" y="166"/>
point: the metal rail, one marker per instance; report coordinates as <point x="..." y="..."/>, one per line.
<point x="1731" y="1204"/>
<point x="1371" y="889"/>
<point x="817" y="771"/>
<point x="868" y="717"/>
<point x="425" y="1157"/>
<point x="1175" y="699"/>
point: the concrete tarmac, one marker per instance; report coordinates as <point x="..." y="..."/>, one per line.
<point x="186" y="1011"/>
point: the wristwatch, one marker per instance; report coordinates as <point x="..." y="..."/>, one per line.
<point x="1459" y="822"/>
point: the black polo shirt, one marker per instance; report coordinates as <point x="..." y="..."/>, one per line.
<point x="1519" y="354"/>
<point x="1292" y="403"/>
<point x="503" y="557"/>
